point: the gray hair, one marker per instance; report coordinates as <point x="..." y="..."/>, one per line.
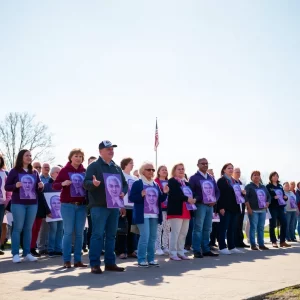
<point x="143" y="166"/>
<point x="53" y="169"/>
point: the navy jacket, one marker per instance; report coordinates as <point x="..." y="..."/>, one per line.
<point x="138" y="208"/>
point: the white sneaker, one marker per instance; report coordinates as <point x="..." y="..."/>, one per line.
<point x="159" y="252"/>
<point x="235" y="250"/>
<point x="225" y="251"/>
<point x="166" y="251"/>
<point x="29" y="257"/>
<point x="16" y="259"/>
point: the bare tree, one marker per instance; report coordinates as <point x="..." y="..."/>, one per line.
<point x="20" y="131"/>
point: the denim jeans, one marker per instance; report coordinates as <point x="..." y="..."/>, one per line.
<point x="55" y="236"/>
<point x="202" y="227"/>
<point x="189" y="236"/>
<point x="146" y="245"/>
<point x="257" y="224"/>
<point x="73" y="219"/>
<point x="24" y="216"/>
<point x="227" y="228"/>
<point x="298" y="228"/>
<point x="104" y="220"/>
<point x="291" y="218"/>
<point x="2" y="211"/>
<point x="277" y="213"/>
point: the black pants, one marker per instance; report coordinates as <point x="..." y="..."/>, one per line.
<point x="239" y="235"/>
<point x="214" y="233"/>
<point x="277" y="213"/>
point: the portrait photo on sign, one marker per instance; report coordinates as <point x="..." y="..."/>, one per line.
<point x="293" y="201"/>
<point x="188" y="192"/>
<point x="54" y="204"/>
<point x="113" y="190"/>
<point x="208" y="191"/>
<point x="151" y="200"/>
<point x="280" y="199"/>
<point x="238" y="193"/>
<point x="76" y="188"/>
<point x="27" y="190"/>
<point x="164" y="183"/>
<point x="261" y="197"/>
<point x="2" y="182"/>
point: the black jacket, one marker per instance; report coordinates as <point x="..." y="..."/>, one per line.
<point x="274" y="202"/>
<point x="227" y="198"/>
<point x="175" y="198"/>
<point x="43" y="209"/>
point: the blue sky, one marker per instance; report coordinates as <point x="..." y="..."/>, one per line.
<point x="222" y="78"/>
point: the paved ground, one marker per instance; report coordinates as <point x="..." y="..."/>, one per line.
<point x="236" y="276"/>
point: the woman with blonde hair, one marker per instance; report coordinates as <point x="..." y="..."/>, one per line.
<point x="146" y="219"/>
<point x="178" y="212"/>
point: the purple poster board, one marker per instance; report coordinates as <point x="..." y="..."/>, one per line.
<point x="151" y="200"/>
<point x="188" y="192"/>
<point x="208" y="191"/>
<point x="238" y="193"/>
<point x="130" y="183"/>
<point x="113" y="190"/>
<point x="280" y="199"/>
<point x="53" y="201"/>
<point x="27" y="190"/>
<point x="76" y="188"/>
<point x="164" y="183"/>
<point x="261" y="197"/>
<point x="293" y="202"/>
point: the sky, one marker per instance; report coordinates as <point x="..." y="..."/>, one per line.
<point x="222" y="77"/>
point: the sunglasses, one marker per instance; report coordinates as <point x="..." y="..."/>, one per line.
<point x="150" y="170"/>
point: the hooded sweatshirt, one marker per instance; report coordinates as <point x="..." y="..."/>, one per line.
<point x="65" y="196"/>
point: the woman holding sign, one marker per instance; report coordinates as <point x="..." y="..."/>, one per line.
<point x="257" y="201"/>
<point x="147" y="214"/>
<point x="291" y="213"/>
<point x="276" y="208"/>
<point x="229" y="208"/>
<point x="73" y="206"/>
<point x="25" y="184"/>
<point x="180" y="204"/>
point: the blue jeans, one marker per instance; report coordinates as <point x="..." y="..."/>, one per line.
<point x="227" y="227"/>
<point x="103" y="220"/>
<point x="2" y="211"/>
<point x="291" y="218"/>
<point x="298" y="229"/>
<point x="257" y="224"/>
<point x="73" y="219"/>
<point x="146" y="245"/>
<point x="55" y="236"/>
<point x="277" y="213"/>
<point x="24" y="216"/>
<point x="202" y="227"/>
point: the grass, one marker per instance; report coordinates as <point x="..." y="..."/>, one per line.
<point x="292" y="292"/>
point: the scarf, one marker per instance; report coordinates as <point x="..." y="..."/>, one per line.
<point x="146" y="181"/>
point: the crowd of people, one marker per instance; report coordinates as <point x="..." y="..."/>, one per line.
<point x="105" y="209"/>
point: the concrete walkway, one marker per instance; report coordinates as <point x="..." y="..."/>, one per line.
<point x="237" y="276"/>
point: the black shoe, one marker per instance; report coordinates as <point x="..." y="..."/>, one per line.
<point x="43" y="252"/>
<point x="1" y="252"/>
<point x="52" y="254"/>
<point x="198" y="255"/>
<point x="294" y="240"/>
<point x="2" y="247"/>
<point x="210" y="253"/>
<point x="85" y="250"/>
<point x="58" y="253"/>
<point x="35" y="253"/>
<point x="243" y="245"/>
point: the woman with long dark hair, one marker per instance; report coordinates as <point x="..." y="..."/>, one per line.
<point x="163" y="230"/>
<point x="24" y="183"/>
<point x="276" y="209"/>
<point x="228" y="209"/>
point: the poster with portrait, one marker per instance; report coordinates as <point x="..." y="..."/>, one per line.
<point x="280" y="199"/>
<point x="127" y="202"/>
<point x="113" y="190"/>
<point x="2" y="190"/>
<point x="53" y="201"/>
<point x="188" y="192"/>
<point x="208" y="191"/>
<point x="27" y="190"/>
<point x="261" y="198"/>
<point x="238" y="193"/>
<point x="293" y="201"/>
<point x="151" y="200"/>
<point x="76" y="187"/>
<point x="164" y="183"/>
<point x="215" y="218"/>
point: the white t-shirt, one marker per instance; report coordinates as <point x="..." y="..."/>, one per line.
<point x="130" y="180"/>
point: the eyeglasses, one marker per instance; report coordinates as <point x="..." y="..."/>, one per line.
<point x="204" y="164"/>
<point x="150" y="170"/>
<point x="37" y="167"/>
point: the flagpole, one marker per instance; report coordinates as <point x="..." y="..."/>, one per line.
<point x="156" y="159"/>
<point x="156" y="143"/>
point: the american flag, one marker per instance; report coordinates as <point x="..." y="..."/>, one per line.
<point x="156" y="142"/>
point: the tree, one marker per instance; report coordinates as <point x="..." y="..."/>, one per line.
<point x="20" y="131"/>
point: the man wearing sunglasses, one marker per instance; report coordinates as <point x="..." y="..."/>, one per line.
<point x="203" y="214"/>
